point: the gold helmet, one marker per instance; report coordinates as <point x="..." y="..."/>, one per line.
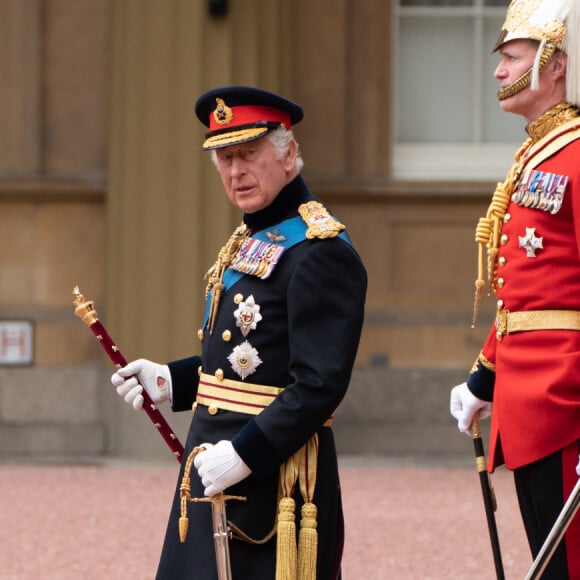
<point x="554" y="24"/>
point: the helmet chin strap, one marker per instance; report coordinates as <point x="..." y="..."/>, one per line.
<point x="524" y="80"/>
<point x="514" y="88"/>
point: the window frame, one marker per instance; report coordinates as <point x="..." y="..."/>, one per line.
<point x="466" y="161"/>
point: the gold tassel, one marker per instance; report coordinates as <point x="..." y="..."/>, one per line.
<point x="183" y="522"/>
<point x="286" y="550"/>
<point x="488" y="230"/>
<point x="308" y="538"/>
<point x="185" y="494"/>
<point x="292" y="562"/>
<point x="286" y="556"/>
<point x="308" y="543"/>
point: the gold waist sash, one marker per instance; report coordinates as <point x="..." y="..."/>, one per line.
<point x="300" y="468"/>
<point x="507" y="322"/>
<point x="237" y="396"/>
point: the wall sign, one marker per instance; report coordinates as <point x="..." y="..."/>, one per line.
<point x="16" y="342"/>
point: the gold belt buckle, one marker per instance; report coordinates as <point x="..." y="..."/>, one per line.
<point x="501" y="323"/>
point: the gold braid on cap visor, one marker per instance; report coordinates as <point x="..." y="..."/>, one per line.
<point x="522" y="82"/>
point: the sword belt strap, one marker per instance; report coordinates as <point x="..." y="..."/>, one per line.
<point x="508" y="322"/>
<point x="230" y="395"/>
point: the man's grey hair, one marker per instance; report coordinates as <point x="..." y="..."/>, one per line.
<point x="280" y="138"/>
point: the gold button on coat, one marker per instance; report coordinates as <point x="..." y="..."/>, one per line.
<point x="212" y="409"/>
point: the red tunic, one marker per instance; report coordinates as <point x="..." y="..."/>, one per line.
<point x="536" y="397"/>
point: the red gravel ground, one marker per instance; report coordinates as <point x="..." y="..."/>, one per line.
<point x="107" y="521"/>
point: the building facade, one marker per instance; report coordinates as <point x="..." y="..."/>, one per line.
<point x="103" y="185"/>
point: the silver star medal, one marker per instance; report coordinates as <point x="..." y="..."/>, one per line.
<point x="247" y="315"/>
<point x="244" y="359"/>
<point x="530" y="243"/>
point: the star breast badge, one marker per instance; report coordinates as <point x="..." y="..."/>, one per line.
<point x="247" y="315"/>
<point x="244" y="360"/>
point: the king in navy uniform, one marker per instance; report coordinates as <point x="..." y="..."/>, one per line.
<point x="529" y="366"/>
<point x="284" y="312"/>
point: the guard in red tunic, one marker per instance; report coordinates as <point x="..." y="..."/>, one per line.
<point x="529" y="367"/>
<point x="284" y="312"/>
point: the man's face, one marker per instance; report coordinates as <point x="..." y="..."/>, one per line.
<point x="517" y="56"/>
<point x="251" y="173"/>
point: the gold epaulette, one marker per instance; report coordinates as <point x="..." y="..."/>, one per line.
<point x="320" y="223"/>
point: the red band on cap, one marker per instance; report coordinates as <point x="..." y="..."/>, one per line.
<point x="251" y="114"/>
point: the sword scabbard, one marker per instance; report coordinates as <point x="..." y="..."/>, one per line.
<point x="489" y="500"/>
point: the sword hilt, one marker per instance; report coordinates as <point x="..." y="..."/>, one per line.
<point x="218" y="500"/>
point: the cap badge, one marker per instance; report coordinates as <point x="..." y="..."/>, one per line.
<point x="530" y="242"/>
<point x="223" y="115"/>
<point x="247" y="315"/>
<point x="244" y="359"/>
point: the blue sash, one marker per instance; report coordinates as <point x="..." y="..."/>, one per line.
<point x="293" y="230"/>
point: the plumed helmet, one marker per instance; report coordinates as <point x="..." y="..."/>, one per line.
<point x="555" y="24"/>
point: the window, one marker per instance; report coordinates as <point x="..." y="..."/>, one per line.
<point x="448" y="124"/>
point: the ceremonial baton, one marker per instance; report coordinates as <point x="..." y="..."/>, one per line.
<point x="85" y="310"/>
<point x="556" y="534"/>
<point x="488" y="495"/>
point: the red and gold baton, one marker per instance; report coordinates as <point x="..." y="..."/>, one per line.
<point x="85" y="310"/>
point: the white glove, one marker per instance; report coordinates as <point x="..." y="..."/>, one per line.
<point x="139" y="374"/>
<point x="464" y="404"/>
<point x="578" y="466"/>
<point x="219" y="467"/>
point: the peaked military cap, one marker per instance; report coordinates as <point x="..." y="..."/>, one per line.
<point x="239" y="114"/>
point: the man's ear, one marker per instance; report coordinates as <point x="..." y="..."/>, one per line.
<point x="291" y="155"/>
<point x="560" y="62"/>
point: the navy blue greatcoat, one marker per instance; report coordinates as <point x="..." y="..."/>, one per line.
<point x="312" y="307"/>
